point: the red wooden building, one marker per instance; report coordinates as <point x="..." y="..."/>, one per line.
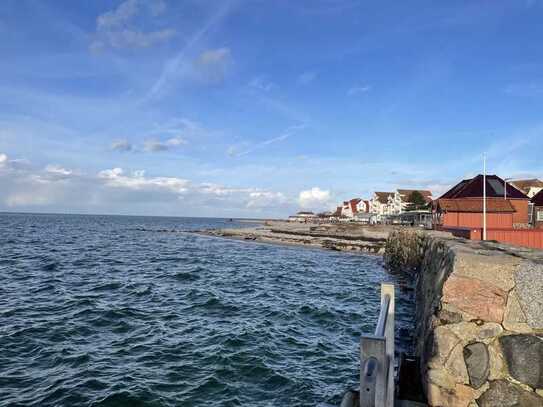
<point x="462" y="205"/>
<point x="460" y="211"/>
<point x="468" y="213"/>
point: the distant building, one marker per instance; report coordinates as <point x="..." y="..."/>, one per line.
<point x="462" y="205"/>
<point x="350" y="208"/>
<point x="379" y="203"/>
<point x="363" y="206"/>
<point x="303" y="217"/>
<point x="530" y="187"/>
<point x="537" y="210"/>
<point x="399" y="202"/>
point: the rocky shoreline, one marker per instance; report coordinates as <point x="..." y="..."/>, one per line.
<point x="340" y="237"/>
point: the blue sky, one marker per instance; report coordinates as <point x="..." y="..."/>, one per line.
<point x="258" y="108"/>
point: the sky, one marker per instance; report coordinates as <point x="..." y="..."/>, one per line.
<point x="254" y="108"/>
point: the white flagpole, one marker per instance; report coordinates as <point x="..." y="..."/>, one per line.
<point x="484" y="196"/>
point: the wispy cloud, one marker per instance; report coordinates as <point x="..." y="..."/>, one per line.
<point x="211" y="65"/>
<point x="154" y="145"/>
<point x="355" y="90"/>
<point x="121" y="145"/>
<point x="307" y="77"/>
<point x="238" y="151"/>
<point x="174" y="65"/>
<point x="262" y="84"/>
<point x="118" y="28"/>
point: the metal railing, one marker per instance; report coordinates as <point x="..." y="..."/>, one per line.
<point x="377" y="357"/>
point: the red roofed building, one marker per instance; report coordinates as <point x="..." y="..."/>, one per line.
<point x="352" y="207"/>
<point x="462" y="205"/>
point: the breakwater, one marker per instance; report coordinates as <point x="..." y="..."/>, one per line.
<point x="479" y="318"/>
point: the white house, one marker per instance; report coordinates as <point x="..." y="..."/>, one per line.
<point x="350" y="208"/>
<point x="378" y="205"/>
<point x="363" y="206"/>
<point x="398" y="203"/>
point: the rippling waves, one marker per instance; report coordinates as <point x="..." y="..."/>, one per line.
<point x="133" y="311"/>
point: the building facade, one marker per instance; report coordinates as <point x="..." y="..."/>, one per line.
<point x="399" y="202"/>
<point x="530" y="187"/>
<point x="379" y="203"/>
<point x="537" y="210"/>
<point x="462" y="205"/>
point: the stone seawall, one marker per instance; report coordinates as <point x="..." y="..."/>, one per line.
<point x="479" y="319"/>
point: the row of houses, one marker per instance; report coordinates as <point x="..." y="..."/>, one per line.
<point x="513" y="204"/>
<point x="380" y="207"/>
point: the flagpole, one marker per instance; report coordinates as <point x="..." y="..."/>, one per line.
<point x="484" y="196"/>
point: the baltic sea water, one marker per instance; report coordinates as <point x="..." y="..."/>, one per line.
<point x="138" y="311"/>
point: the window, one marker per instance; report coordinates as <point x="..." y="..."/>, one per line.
<point x="540" y="215"/>
<point x="497" y="186"/>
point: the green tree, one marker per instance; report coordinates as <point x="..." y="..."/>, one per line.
<point x="416" y="201"/>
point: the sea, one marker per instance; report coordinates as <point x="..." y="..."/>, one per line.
<point x="141" y="311"/>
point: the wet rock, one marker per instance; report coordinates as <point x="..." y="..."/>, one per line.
<point x="524" y="358"/>
<point x="476" y="297"/>
<point x="529" y="279"/>
<point x="477" y="363"/>
<point x="505" y="394"/>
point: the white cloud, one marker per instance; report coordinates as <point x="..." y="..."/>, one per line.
<point x="176" y="141"/>
<point x="121" y="145"/>
<point x="307" y="77"/>
<point x="56" y="188"/>
<point x="137" y="181"/>
<point x="260" y="83"/>
<point x="358" y="89"/>
<point x="117" y="28"/>
<point x="315" y="198"/>
<point x="57" y="170"/>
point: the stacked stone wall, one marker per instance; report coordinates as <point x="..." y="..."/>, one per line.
<point x="479" y="321"/>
